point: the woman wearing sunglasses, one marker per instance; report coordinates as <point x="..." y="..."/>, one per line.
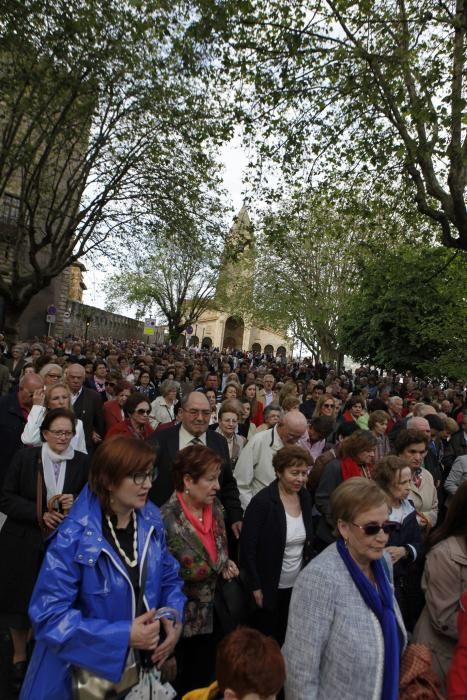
<point x="108" y="585"/>
<point x="393" y="475"/>
<point x="137" y="410"/>
<point x="345" y="633"/>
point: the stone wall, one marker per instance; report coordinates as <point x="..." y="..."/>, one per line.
<point x="102" y="323"/>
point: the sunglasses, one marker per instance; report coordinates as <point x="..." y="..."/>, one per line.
<point x="373" y="528"/>
<point x="328" y="405"/>
<point x="143" y="411"/>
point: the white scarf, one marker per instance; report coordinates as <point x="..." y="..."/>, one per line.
<point x="49" y="457"/>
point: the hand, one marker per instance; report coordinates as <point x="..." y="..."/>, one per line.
<point x="165" y="649"/>
<point x="52" y="520"/>
<point x="396" y="553"/>
<point x="38" y="397"/>
<point x="66" y="500"/>
<point x="145" y="632"/>
<point x="258" y="596"/>
<point x="237" y="528"/>
<point x="95" y="437"/>
<point x="230" y="570"/>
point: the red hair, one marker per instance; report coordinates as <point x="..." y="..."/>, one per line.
<point x="249" y="662"/>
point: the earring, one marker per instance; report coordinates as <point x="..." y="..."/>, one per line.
<point x="187" y="491"/>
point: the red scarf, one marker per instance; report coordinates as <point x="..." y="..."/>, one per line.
<point x="350" y="468"/>
<point x="203" y="529"/>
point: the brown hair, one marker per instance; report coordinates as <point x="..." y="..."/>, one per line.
<point x="55" y="413"/>
<point x="356" y="495"/>
<point x="290" y="456"/>
<point x="231" y="406"/>
<point x="386" y="470"/>
<point x="193" y="461"/>
<point x="123" y="385"/>
<point x="377" y="417"/>
<point x="116" y="458"/>
<point x="357" y="442"/>
<point x="409" y="437"/>
<point x="290" y="402"/>
<point x="249" y="662"/>
<point x="319" y="404"/>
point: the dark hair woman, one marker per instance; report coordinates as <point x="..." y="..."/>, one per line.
<point x="145" y="385"/>
<point x="276" y="539"/>
<point x="136" y="424"/>
<point x="444" y="581"/>
<point x="355" y="457"/>
<point x="412" y="446"/>
<point x="257" y="408"/>
<point x="196" y="536"/>
<point x="40" y="486"/>
<point x="114" y="408"/>
<point x="84" y="605"/>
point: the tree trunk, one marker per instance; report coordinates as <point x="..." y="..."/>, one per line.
<point x="10" y="322"/>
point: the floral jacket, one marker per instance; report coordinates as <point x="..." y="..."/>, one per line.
<point x="197" y="569"/>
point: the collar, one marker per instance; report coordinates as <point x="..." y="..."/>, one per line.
<point x="185" y="438"/>
<point x="276" y="442"/>
<point x="75" y="397"/>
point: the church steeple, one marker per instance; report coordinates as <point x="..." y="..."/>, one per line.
<point x="235" y="282"/>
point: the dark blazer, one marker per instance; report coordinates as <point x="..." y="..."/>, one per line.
<point x="16" y="372"/>
<point x="307" y="408"/>
<point x="408" y="532"/>
<point x="88" y="407"/>
<point x="11" y="427"/>
<point x="263" y="538"/>
<point x="166" y="443"/>
<point x="330" y="480"/>
<point x="4" y="380"/>
<point x="21" y="541"/>
<point x="91" y="384"/>
<point x="456" y="447"/>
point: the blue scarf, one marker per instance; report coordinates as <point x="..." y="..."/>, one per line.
<point x="380" y="601"/>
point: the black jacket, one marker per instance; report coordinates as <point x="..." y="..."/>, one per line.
<point x="408" y="532"/>
<point x="263" y="538"/>
<point x="89" y="408"/>
<point x="12" y="425"/>
<point x="166" y="443"/>
<point x="456" y="447"/>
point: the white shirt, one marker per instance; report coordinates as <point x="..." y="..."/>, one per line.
<point x="185" y="438"/>
<point x="293" y="552"/>
<point x="254" y="469"/>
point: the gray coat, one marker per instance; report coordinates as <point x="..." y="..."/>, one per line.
<point x="334" y="648"/>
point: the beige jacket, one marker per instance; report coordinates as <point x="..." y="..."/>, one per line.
<point x="425" y="498"/>
<point x="444" y="581"/>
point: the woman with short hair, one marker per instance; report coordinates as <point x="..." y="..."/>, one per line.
<point x="114" y="408"/>
<point x="51" y="373"/>
<point x="108" y="584"/>
<point x="163" y="406"/>
<point x="378" y="423"/>
<point x="412" y="446"/>
<point x="136" y="424"/>
<point x="229" y="414"/>
<point x="345" y="634"/>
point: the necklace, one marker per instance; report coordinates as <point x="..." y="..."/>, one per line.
<point x="130" y="562"/>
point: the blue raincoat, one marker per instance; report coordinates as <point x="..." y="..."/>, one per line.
<point x="83" y="604"/>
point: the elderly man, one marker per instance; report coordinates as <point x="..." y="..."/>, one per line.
<point x="193" y="430"/>
<point x="431" y="462"/>
<point x="267" y="395"/>
<point x="254" y="468"/>
<point x="87" y="405"/>
<point x="14" y="411"/>
<point x="457" y="445"/>
<point x="395" y="406"/>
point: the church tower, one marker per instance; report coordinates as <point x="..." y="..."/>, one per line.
<point x="234" y="289"/>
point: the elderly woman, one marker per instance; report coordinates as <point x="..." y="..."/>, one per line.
<point x="51" y="373"/>
<point x="412" y="446"/>
<point x="56" y="395"/>
<point x="444" y="581"/>
<point x="145" y="385"/>
<point x="108" y="584"/>
<point x="196" y="536"/>
<point x="40" y="486"/>
<point x="393" y="475"/>
<point x="378" y="423"/>
<point x="136" y="424"/>
<point x="345" y="634"/>
<point x="229" y="414"/>
<point x="276" y="539"/>
<point x="163" y="407"/>
<point x="355" y="457"/>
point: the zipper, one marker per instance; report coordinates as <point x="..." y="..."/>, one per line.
<point x="143" y="555"/>
<point x="125" y="576"/>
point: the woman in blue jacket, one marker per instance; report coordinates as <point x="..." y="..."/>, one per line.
<point x="83" y="608"/>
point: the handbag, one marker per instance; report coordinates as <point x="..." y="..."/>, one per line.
<point x="150" y="687"/>
<point x="418" y="681"/>
<point x="87" y="685"/>
<point x="233" y="602"/>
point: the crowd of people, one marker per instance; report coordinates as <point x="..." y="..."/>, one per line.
<point x="155" y="498"/>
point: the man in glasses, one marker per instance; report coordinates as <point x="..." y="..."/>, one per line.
<point x="87" y="405"/>
<point x="193" y="430"/>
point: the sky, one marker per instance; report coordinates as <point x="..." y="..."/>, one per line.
<point x="235" y="161"/>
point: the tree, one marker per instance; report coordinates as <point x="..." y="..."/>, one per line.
<point x="90" y="93"/>
<point x="410" y="313"/>
<point x="178" y="279"/>
<point x="353" y="86"/>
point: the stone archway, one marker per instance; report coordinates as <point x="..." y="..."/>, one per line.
<point x="281" y="351"/>
<point x="256" y="347"/>
<point x="233" y="334"/>
<point x="194" y="341"/>
<point x="207" y="342"/>
<point x="268" y="350"/>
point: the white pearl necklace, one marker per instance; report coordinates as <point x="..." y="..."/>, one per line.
<point x="131" y="562"/>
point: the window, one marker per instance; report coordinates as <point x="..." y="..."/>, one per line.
<point x="9" y="209"/>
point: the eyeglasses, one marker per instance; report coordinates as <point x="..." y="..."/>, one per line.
<point x="61" y="433"/>
<point x="143" y="411"/>
<point x="140" y="477"/>
<point x="373" y="528"/>
<point x="328" y="405"/>
<point x="54" y="376"/>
